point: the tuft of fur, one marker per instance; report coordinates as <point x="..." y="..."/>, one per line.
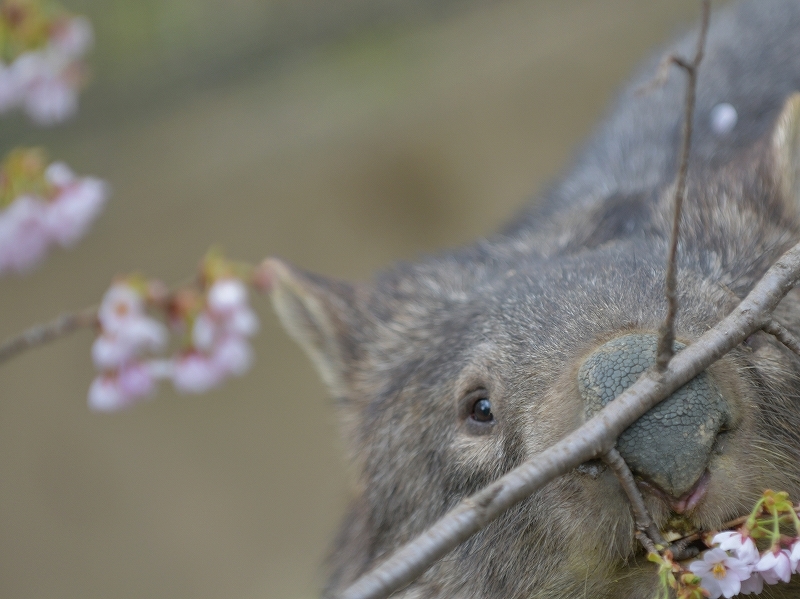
<point x="512" y="317"/>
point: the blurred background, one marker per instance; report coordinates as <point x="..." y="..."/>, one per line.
<point x="341" y="136"/>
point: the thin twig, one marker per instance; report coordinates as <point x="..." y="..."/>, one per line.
<point x="782" y="334"/>
<point x="667" y="333"/>
<point x="591" y="440"/>
<point x="647" y="532"/>
<point x="644" y="523"/>
<point x="42" y="333"/>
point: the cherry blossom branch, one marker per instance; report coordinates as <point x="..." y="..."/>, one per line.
<point x="730" y="524"/>
<point x="44" y="333"/>
<point x="666" y="339"/>
<point x="591" y="440"/>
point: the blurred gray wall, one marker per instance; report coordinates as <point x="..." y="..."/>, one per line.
<point x="339" y="135"/>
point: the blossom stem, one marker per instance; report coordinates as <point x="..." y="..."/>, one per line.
<point x="43" y="333"/>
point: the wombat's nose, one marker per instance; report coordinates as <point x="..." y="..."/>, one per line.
<point x="670" y="445"/>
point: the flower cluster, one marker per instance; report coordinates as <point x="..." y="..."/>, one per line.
<point x="213" y="324"/>
<point x="219" y="345"/>
<point x="734" y="565"/>
<point x="42" y="206"/>
<point x="127" y="333"/>
<point x="41" y="59"/>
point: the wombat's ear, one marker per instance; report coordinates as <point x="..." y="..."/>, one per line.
<point x="321" y="314"/>
<point x="786" y="150"/>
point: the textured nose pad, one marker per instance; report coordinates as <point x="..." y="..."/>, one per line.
<point x="671" y="444"/>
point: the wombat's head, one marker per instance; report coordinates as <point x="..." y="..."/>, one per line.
<point x="455" y="370"/>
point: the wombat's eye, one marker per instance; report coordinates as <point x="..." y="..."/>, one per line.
<point x="482" y="410"/>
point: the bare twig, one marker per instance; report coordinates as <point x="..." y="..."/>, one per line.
<point x="647" y="533"/>
<point x="644" y="523"/>
<point x="667" y="333"/>
<point x="782" y="334"/>
<point x="590" y="441"/>
<point x="43" y="333"/>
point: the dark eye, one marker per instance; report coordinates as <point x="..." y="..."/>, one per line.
<point x="482" y="410"/>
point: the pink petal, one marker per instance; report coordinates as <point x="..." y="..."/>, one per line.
<point x="204" y="332"/>
<point x="50" y="100"/>
<point x="143" y="333"/>
<point x="105" y="395"/>
<point x="748" y="553"/>
<point x="752" y="585"/>
<point x="73" y="211"/>
<point x="28" y="67"/>
<point x="11" y="88"/>
<point x="700" y="567"/>
<point x="736" y="567"/>
<point x="729" y="540"/>
<point x="729" y="585"/>
<point x="774" y="567"/>
<point x="783" y="567"/>
<point x="109" y="352"/>
<point x="59" y="174"/>
<point x="233" y="356"/>
<point x="23" y="235"/>
<point x="120" y="303"/>
<point x="196" y="373"/>
<point x="136" y="381"/>
<point x="242" y="321"/>
<point x="711" y="585"/>
<point x="227" y="295"/>
<point x="108" y="393"/>
<point x="73" y="37"/>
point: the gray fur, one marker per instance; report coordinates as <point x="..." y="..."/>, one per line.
<point x="513" y="318"/>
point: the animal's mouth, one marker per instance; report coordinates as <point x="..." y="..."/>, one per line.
<point x="686" y="502"/>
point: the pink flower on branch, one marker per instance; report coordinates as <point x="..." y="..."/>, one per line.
<point x="41" y="60"/>
<point x="720" y="574"/>
<point x="775" y="566"/>
<point x="213" y="321"/>
<point x="122" y="388"/>
<point x="219" y="335"/>
<point x="743" y="547"/>
<point x="42" y="206"/>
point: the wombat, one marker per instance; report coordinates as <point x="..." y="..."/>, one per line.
<point x="453" y="370"/>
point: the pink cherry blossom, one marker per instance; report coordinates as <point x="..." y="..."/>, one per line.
<point x="120" y="304"/>
<point x="72" y="37"/>
<point x="24" y="236"/>
<point x="226" y="296"/>
<point x="127" y="331"/>
<point x="743" y="547"/>
<point x="108" y="352"/>
<point x="204" y="332"/>
<point x="752" y="585"/>
<point x="46" y="81"/>
<point x="775" y="566"/>
<point x="242" y="322"/>
<point x="30" y="224"/>
<point x="720" y="574"/>
<point x="11" y="88"/>
<point x="51" y="97"/>
<point x="121" y="389"/>
<point x="141" y="334"/>
<point x="77" y="205"/>
<point x="194" y="372"/>
<point x="233" y="355"/>
<point x="219" y="338"/>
